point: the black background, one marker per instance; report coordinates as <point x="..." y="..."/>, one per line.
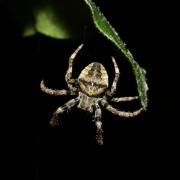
<point x="130" y="145"/>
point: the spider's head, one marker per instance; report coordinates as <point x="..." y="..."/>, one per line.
<point x="93" y="79"/>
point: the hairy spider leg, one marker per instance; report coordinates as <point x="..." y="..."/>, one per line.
<point x="107" y="106"/>
<point x="124" y="99"/>
<point x="114" y="85"/>
<point x="54" y="121"/>
<point x="98" y="123"/>
<point x="55" y="92"/>
<point x="116" y="78"/>
<point x="68" y="76"/>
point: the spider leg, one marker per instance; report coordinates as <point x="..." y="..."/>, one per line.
<point x="68" y="76"/>
<point x="116" y="78"/>
<point x="120" y="113"/>
<point x="98" y="123"/>
<point x="61" y="109"/>
<point x="55" y="92"/>
<point x="123" y="99"/>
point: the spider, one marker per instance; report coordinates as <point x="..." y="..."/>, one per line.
<point x="91" y="88"/>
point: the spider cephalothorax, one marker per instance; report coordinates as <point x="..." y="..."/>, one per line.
<point x="91" y="89"/>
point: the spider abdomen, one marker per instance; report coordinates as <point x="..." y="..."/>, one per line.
<point x="93" y="79"/>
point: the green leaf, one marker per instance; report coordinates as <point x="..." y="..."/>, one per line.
<point x="60" y="19"/>
<point x="109" y="32"/>
<point x="49" y="23"/>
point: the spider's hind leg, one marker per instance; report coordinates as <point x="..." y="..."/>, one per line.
<point x="116" y="78"/>
<point x="98" y="123"/>
<point x="54" y="121"/>
<point x="68" y="76"/>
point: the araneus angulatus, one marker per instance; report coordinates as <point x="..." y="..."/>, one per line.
<point x="91" y="89"/>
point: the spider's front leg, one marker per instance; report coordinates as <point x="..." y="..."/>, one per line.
<point x="54" y="121"/>
<point x="98" y="123"/>
<point x="118" y="112"/>
<point x="68" y="76"/>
